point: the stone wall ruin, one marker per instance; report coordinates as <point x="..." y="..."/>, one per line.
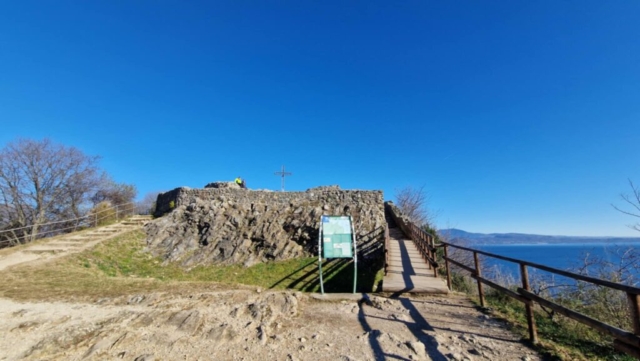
<point x="231" y="226"/>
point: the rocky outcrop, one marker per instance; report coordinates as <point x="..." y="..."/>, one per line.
<point x="223" y="185"/>
<point x="226" y="225"/>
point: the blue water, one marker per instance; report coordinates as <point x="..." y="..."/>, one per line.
<point x="562" y="256"/>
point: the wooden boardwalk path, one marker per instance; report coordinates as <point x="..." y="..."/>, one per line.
<point x="407" y="270"/>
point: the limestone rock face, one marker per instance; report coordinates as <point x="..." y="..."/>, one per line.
<point x="227" y="225"/>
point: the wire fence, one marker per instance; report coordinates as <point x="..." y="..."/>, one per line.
<point x="96" y="217"/>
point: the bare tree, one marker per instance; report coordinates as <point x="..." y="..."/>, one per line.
<point x="413" y="202"/>
<point x="115" y="193"/>
<point x="632" y="204"/>
<point x="41" y="181"/>
<point x="148" y="203"/>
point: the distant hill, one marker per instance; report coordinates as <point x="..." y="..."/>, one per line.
<point x="457" y="236"/>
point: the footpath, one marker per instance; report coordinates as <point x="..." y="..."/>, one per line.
<point x="55" y="247"/>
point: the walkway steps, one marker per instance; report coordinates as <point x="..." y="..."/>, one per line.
<point x="46" y="249"/>
<point x="407" y="271"/>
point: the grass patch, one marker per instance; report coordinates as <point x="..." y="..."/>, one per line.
<point x="559" y="338"/>
<point x="120" y="266"/>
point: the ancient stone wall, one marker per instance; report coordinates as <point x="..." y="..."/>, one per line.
<point x="401" y="220"/>
<point x="227" y="225"/>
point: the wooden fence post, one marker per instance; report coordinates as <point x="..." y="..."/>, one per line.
<point x="446" y="264"/>
<point x="425" y="247"/>
<point x="533" y="332"/>
<point x="479" y="274"/>
<point x="432" y="252"/>
<point x="634" y="307"/>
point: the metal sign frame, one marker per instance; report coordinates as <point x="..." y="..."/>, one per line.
<point x="354" y="251"/>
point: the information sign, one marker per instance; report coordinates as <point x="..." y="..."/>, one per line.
<point x="337" y="241"/>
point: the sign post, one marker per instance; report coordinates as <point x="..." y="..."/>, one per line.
<point x="337" y="239"/>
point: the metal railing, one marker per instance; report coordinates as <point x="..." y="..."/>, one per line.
<point x="625" y="341"/>
<point x="19" y="235"/>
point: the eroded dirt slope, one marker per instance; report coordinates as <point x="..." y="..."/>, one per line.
<point x="252" y="325"/>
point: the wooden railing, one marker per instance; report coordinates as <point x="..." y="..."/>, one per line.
<point x="423" y="241"/>
<point x="386" y="249"/>
<point x="426" y="245"/>
<point x="625" y="341"/>
<point x="28" y="233"/>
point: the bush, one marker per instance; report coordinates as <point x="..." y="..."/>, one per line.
<point x="103" y="213"/>
<point x="463" y="283"/>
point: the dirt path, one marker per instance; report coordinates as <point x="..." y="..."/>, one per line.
<point x="252" y="325"/>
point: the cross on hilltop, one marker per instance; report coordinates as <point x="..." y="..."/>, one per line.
<point x="283" y="173"/>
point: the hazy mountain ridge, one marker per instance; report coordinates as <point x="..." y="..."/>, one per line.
<point x="457" y="235"/>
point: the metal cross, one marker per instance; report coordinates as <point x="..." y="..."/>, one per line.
<point x="283" y="174"/>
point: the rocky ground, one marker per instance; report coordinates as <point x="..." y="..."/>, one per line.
<point x="255" y="325"/>
<point x="245" y="324"/>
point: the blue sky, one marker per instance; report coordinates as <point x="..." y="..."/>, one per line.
<point x="515" y="116"/>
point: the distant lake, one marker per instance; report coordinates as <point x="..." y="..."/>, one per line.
<point x="562" y="256"/>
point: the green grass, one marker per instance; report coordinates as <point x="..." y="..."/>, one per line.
<point x="121" y="266"/>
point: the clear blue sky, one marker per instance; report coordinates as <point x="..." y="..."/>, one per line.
<point x="516" y="116"/>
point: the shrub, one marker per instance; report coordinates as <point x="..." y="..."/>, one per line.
<point x="103" y="213"/>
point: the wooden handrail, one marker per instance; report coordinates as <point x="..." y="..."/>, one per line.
<point x="63" y="226"/>
<point x="625" y="341"/>
<point x="625" y="336"/>
<point x="386" y="249"/>
<point x="423" y="241"/>
<point x="597" y="281"/>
